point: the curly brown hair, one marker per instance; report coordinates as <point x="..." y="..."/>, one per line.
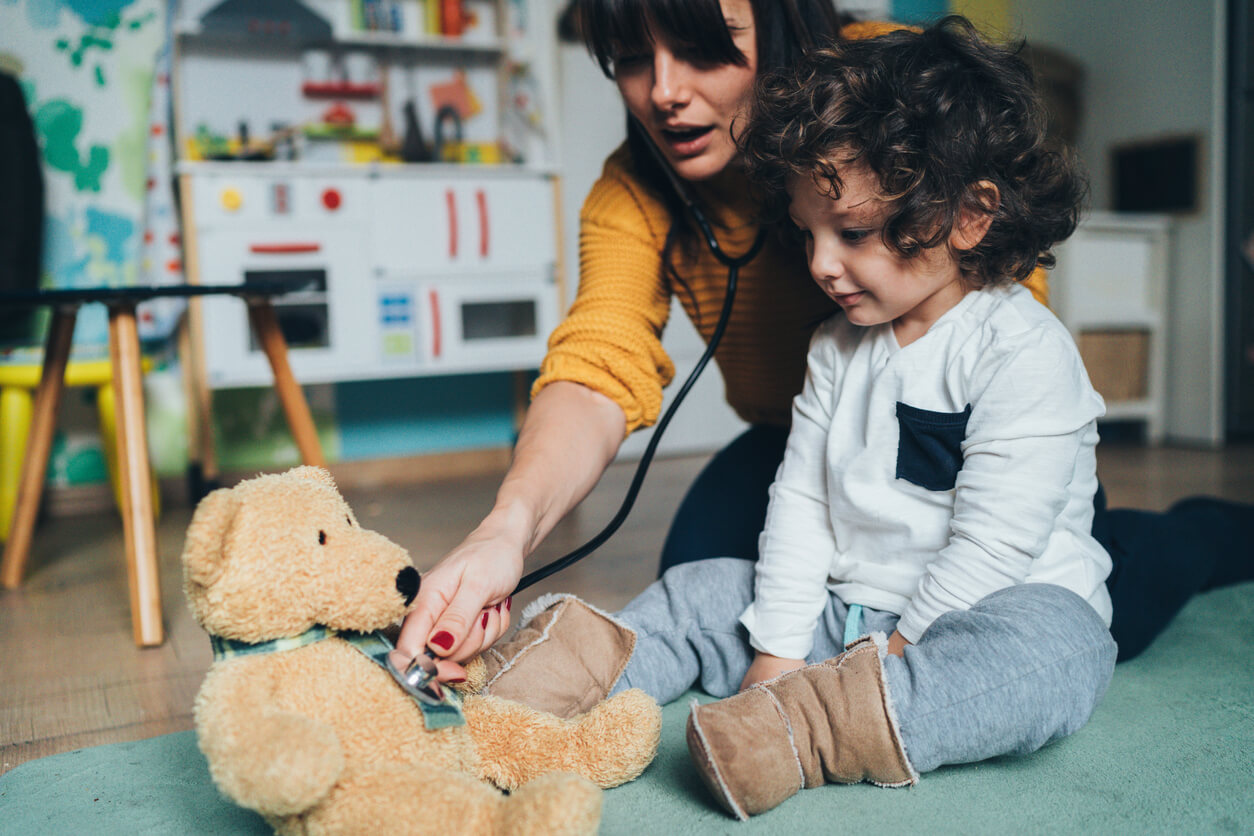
<point x="931" y="114"/>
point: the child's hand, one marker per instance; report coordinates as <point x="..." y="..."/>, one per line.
<point x="766" y="667"/>
<point x="897" y="643"/>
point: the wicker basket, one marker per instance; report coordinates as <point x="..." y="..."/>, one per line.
<point x="1117" y="362"/>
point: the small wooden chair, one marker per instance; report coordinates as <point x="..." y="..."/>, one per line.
<point x="131" y="434"/>
<point x="18" y="382"/>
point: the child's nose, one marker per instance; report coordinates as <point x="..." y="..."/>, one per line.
<point x="825" y="265"/>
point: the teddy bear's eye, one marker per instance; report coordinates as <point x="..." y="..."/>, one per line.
<point x="322" y="538"/>
<point x="350" y="520"/>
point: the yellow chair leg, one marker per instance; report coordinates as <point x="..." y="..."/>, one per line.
<point x="16" y="409"/>
<point x="106" y="410"/>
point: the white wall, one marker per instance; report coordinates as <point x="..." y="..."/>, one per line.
<point x="592" y="124"/>
<point x="1156" y="69"/>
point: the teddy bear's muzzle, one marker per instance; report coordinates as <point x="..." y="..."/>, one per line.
<point x="407" y="583"/>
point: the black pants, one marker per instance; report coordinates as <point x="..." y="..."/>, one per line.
<point x="1160" y="560"/>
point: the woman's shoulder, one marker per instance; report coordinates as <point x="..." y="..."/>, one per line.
<point x="619" y="198"/>
<point x="859" y="30"/>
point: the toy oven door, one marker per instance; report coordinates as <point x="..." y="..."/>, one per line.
<point x="316" y="315"/>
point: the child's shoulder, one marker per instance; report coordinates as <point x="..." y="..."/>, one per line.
<point x="1015" y="325"/>
<point x="1013" y="313"/>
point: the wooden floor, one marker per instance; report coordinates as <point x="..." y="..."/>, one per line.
<point x="70" y="676"/>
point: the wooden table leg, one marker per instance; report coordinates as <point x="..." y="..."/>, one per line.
<point x="202" y="460"/>
<point x="137" y="513"/>
<point x="35" y="463"/>
<point x="295" y="407"/>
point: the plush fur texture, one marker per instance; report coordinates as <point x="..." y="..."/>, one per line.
<point x="320" y="739"/>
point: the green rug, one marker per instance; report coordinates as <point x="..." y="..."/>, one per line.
<point x="1171" y="750"/>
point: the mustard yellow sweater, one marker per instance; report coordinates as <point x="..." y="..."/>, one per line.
<point x="610" y="340"/>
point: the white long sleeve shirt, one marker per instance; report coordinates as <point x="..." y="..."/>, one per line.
<point x="918" y="480"/>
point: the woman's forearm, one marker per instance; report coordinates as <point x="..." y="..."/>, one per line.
<point x="570" y="435"/>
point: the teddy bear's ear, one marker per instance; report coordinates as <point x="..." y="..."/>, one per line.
<point x="202" y="549"/>
<point x="314" y="474"/>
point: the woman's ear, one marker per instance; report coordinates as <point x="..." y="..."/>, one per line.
<point x="972" y="223"/>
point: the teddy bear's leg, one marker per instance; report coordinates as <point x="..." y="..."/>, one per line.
<point x="558" y="804"/>
<point x="431" y="800"/>
<point x="564" y="658"/>
<point x="609" y="745"/>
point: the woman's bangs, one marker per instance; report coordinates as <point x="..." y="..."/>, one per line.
<point x="614" y="28"/>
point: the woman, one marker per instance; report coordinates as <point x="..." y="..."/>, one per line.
<point x="686" y="70"/>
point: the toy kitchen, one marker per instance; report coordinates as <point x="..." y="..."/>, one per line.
<point x="403" y="257"/>
<point x="393" y="274"/>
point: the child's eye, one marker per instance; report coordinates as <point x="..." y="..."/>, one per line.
<point x="855" y="236"/>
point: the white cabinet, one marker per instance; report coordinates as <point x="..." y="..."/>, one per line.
<point x="1109" y="288"/>
<point x="461" y="224"/>
<point x="397" y="271"/>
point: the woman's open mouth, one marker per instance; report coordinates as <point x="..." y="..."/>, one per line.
<point x="686" y="141"/>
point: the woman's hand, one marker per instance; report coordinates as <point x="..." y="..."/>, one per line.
<point x="463" y="603"/>
<point x="570" y="435"/>
<point x="766" y="667"/>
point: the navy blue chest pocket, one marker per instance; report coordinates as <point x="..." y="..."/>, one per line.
<point x="929" y="449"/>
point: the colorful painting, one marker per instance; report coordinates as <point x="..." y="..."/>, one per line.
<point x="86" y="68"/>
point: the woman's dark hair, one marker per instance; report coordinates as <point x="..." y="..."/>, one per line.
<point x="931" y="114"/>
<point x="610" y="28"/>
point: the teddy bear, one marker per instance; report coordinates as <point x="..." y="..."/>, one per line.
<point x="300" y="721"/>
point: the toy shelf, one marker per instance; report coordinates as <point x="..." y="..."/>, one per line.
<point x="392" y="41"/>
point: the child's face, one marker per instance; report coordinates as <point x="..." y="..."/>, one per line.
<point x="850" y="262"/>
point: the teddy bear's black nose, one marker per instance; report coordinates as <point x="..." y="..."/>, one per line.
<point x="407" y="583"/>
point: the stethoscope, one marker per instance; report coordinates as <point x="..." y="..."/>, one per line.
<point x="419" y="678"/>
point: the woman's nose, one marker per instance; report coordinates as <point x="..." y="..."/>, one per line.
<point x="671" y="89"/>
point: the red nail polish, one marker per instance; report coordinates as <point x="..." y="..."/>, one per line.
<point x="485" y="621"/>
<point x="498" y="605"/>
<point x="443" y="640"/>
<point x="457" y="681"/>
<point x="509" y="601"/>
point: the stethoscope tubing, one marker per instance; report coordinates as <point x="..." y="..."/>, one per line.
<point x="733" y="265"/>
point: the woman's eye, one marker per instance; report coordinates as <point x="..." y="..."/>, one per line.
<point x="627" y="62"/>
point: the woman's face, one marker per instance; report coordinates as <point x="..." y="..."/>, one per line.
<point x="687" y="107"/>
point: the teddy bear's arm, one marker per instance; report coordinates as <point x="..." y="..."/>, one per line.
<point x="609" y="745"/>
<point x="273" y="761"/>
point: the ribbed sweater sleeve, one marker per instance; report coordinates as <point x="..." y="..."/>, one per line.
<point x="610" y="340"/>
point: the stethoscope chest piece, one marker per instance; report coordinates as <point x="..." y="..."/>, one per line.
<point x="418" y="679"/>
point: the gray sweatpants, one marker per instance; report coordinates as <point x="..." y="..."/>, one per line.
<point x="1024" y="666"/>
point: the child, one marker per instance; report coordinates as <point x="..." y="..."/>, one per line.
<point x="928" y="532"/>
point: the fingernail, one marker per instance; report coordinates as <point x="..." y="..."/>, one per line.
<point x="485" y="621"/>
<point x="509" y="601"/>
<point x="457" y="681"/>
<point x="443" y="640"/>
<point x="498" y="605"/>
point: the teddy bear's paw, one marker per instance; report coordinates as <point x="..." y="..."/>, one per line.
<point x="609" y="745"/>
<point x="409" y="800"/>
<point x="557" y="804"/>
<point x="286" y="765"/>
<point x="618" y="738"/>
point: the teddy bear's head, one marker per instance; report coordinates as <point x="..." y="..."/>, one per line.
<point x="278" y="554"/>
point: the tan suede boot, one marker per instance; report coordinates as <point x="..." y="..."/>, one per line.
<point x="831" y="722"/>
<point x="564" y="658"/>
